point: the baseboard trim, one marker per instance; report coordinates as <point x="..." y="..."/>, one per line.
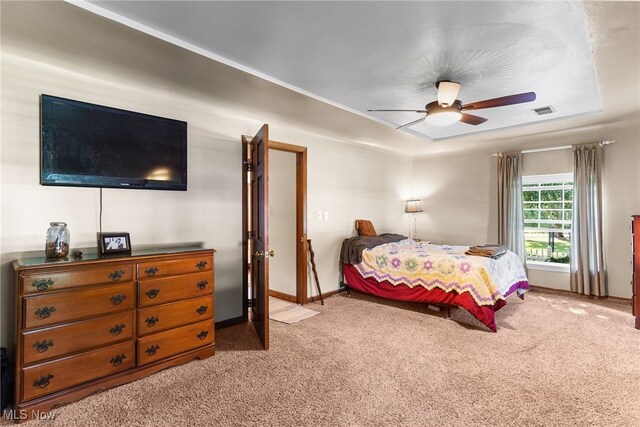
<point x="325" y="295"/>
<point x="566" y="292"/>
<point x="544" y="288"/>
<point x="283" y="296"/>
<point x="231" y="322"/>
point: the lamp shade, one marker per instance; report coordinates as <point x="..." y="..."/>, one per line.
<point x="413" y="206"/>
<point x="447" y="93"/>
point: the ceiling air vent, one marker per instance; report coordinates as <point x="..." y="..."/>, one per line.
<point x="544" y="110"/>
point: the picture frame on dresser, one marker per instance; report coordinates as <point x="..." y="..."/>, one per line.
<point x="114" y="243"/>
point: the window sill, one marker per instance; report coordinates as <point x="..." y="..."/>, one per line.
<point x="548" y="266"/>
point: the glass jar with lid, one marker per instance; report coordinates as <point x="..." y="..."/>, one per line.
<point x="57" y="240"/>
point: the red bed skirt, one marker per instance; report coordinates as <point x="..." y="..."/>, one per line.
<point x="384" y="289"/>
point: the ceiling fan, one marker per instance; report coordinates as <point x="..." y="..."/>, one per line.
<point x="447" y="109"/>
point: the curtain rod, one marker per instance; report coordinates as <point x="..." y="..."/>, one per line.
<point x="559" y="147"/>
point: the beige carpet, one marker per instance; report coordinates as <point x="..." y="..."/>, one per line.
<point x="556" y="361"/>
<point x="286" y="312"/>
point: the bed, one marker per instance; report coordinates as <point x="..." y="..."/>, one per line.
<point x="395" y="267"/>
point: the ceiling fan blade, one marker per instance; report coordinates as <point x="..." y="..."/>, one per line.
<point x="500" y="102"/>
<point x="470" y="119"/>
<point x="412" y="111"/>
<point x="415" y="122"/>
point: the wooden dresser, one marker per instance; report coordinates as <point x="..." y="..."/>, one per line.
<point x="635" y="262"/>
<point x="86" y="325"/>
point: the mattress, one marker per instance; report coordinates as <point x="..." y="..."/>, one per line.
<point x="441" y="274"/>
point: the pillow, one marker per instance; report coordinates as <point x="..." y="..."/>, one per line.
<point x="365" y="228"/>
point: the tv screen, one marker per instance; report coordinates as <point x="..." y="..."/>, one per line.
<point x="96" y="146"/>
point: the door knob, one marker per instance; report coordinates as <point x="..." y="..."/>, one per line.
<point x="264" y="254"/>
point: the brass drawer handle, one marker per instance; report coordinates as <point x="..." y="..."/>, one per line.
<point x="117" y="329"/>
<point x="201" y="265"/>
<point x="151" y="321"/>
<point x="202" y="284"/>
<point x="45" y="312"/>
<point x="42" y="346"/>
<point x="152" y="293"/>
<point x="117" y="360"/>
<point x="202" y="335"/>
<point x="151" y="271"/>
<point x="118" y="299"/>
<point x="116" y="275"/>
<point x="151" y="350"/>
<point x="43" y="381"/>
<point x="42" y="285"/>
<point x="202" y="309"/>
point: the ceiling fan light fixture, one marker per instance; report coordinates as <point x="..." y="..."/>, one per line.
<point x="447" y="92"/>
<point x="443" y="118"/>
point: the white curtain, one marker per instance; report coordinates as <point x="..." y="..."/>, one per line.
<point x="587" y="258"/>
<point x="510" y="207"/>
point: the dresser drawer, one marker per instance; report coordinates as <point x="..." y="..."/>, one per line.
<point x="59" y="374"/>
<point x="158" y="291"/>
<point x="42" y="282"/>
<point x="48" y="309"/>
<point x="174" y="267"/>
<point x="75" y="337"/>
<point x="164" y="344"/>
<point x="167" y="316"/>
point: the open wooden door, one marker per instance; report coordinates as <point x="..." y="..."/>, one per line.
<point x="259" y="247"/>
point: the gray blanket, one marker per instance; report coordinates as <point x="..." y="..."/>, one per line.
<point x="352" y="247"/>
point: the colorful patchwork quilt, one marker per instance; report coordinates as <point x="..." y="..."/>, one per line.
<point x="482" y="282"/>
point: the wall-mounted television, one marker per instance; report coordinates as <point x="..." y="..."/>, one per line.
<point x="92" y="145"/>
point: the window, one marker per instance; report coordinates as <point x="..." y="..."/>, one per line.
<point x="548" y="202"/>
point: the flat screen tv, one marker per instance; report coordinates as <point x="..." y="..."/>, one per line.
<point x="92" y="145"/>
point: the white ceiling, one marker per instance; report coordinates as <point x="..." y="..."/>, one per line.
<point x="581" y="58"/>
<point x="387" y="55"/>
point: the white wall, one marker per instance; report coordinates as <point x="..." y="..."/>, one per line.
<point x="350" y="182"/>
<point x="547" y="162"/>
<point x="458" y="199"/>
<point x="58" y="49"/>
<point x="282" y="221"/>
<point x="459" y="196"/>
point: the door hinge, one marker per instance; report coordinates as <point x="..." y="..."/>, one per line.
<point x="249" y="166"/>
<point x="251" y="302"/>
<point x="250" y="235"/>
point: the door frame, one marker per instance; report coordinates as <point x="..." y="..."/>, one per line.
<point x="301" y="216"/>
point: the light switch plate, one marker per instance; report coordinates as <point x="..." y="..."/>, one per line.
<point x="326" y="215"/>
<point x="319" y="215"/>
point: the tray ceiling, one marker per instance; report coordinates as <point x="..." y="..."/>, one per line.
<point x="388" y="55"/>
